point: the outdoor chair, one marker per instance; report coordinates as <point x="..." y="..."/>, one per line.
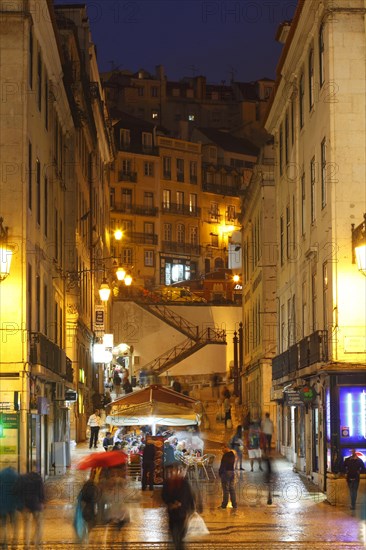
<point x="209" y="464"/>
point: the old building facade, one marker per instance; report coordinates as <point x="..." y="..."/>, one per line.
<point x="317" y="117"/>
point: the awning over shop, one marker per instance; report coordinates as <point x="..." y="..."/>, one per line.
<point x="154" y="405"/>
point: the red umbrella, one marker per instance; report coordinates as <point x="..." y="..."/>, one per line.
<point x="103" y="460"/>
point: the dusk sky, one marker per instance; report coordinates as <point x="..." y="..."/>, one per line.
<point x="219" y="39"/>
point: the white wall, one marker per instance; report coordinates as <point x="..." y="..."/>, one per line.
<point x="150" y="337"/>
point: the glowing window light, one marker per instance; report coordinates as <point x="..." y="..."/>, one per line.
<point x="363" y="413"/>
<point x="349" y="413"/>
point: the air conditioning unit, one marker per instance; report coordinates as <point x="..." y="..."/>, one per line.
<point x="60" y="392"/>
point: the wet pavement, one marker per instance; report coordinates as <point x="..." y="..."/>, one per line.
<point x="298" y="518"/>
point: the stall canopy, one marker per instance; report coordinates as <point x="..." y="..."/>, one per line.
<point x="154" y="405"/>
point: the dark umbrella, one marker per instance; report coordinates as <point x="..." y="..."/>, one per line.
<point x="103" y="460"/>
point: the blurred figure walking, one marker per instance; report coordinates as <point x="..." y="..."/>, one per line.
<point x="226" y="473"/>
<point x="177" y="495"/>
<point x="148" y="466"/>
<point x="353" y="467"/>
<point x="267" y="429"/>
<point x="10" y="504"/>
<point x="32" y="492"/>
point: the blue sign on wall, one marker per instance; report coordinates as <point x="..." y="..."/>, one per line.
<point x="352" y="415"/>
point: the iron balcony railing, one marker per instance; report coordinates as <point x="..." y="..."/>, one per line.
<point x="308" y="351"/>
<point x="218" y="189"/>
<point x="140" y="238"/>
<point x="182" y="248"/>
<point x="181" y="209"/>
<point x="139" y="209"/>
<point x="127" y="176"/>
<point x="46" y="353"/>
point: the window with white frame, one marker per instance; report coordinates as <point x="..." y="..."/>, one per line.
<point x="148" y="228"/>
<point x="193" y="235"/>
<point x="311" y="79"/>
<point x="312" y="189"/>
<point x="124" y="137"/>
<point x="167" y="168"/>
<point x="193" y="171"/>
<point x="180" y="233"/>
<point x="301" y="100"/>
<point x="166" y="199"/>
<point x="313" y="302"/>
<point x="193" y="203"/>
<point x="167" y="232"/>
<point x="321" y="56"/>
<point x="126" y="166"/>
<point x="149" y="258"/>
<point x="180" y="200"/>
<point x="323" y="154"/>
<point x="304" y="311"/>
<point x="148" y="199"/>
<point x="126" y="198"/>
<point x="127" y="256"/>
<point x="180" y="169"/>
<point x="149" y="169"/>
<point x="303" y="204"/>
<point x="146" y="140"/>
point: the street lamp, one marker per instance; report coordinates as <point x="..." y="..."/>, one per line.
<point x="120" y="273"/>
<point x="359" y="245"/>
<point x="6" y="252"/>
<point x="104" y="290"/>
<point x="118" y="234"/>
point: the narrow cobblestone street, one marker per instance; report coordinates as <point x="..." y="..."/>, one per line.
<point x="298" y="518"/>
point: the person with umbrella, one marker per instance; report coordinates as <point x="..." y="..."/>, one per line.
<point x="10" y="503"/>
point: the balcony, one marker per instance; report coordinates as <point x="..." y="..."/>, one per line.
<point x="138" y="209"/>
<point x="181" y="248"/>
<point x="280" y="365"/>
<point x="45" y="353"/>
<point x="140" y="238"/>
<point x="219" y="189"/>
<point x="127" y="176"/>
<point x="309" y="351"/>
<point x="181" y="209"/>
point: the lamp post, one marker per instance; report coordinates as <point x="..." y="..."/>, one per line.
<point x="241" y="362"/>
<point x="6" y="252"/>
<point x="236" y="367"/>
<point x="359" y="245"/>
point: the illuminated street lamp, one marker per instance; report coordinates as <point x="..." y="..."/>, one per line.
<point x="104" y="290"/>
<point x="128" y="280"/>
<point x="359" y="245"/>
<point x="236" y="278"/>
<point x="118" y="234"/>
<point x="121" y="273"/>
<point x="6" y="252"/>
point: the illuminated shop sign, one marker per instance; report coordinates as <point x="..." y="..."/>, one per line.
<point x="352" y="415"/>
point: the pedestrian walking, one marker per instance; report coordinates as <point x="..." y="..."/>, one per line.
<point x="148" y="466"/>
<point x="353" y="467"/>
<point x="254" y="443"/>
<point x="215" y="383"/>
<point x="10" y="504"/>
<point x="237" y="445"/>
<point x="177" y="495"/>
<point x="227" y="411"/>
<point x="32" y="492"/>
<point x="117" y="383"/>
<point x="94" y="423"/>
<point x="267" y="429"/>
<point x="226" y="473"/>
